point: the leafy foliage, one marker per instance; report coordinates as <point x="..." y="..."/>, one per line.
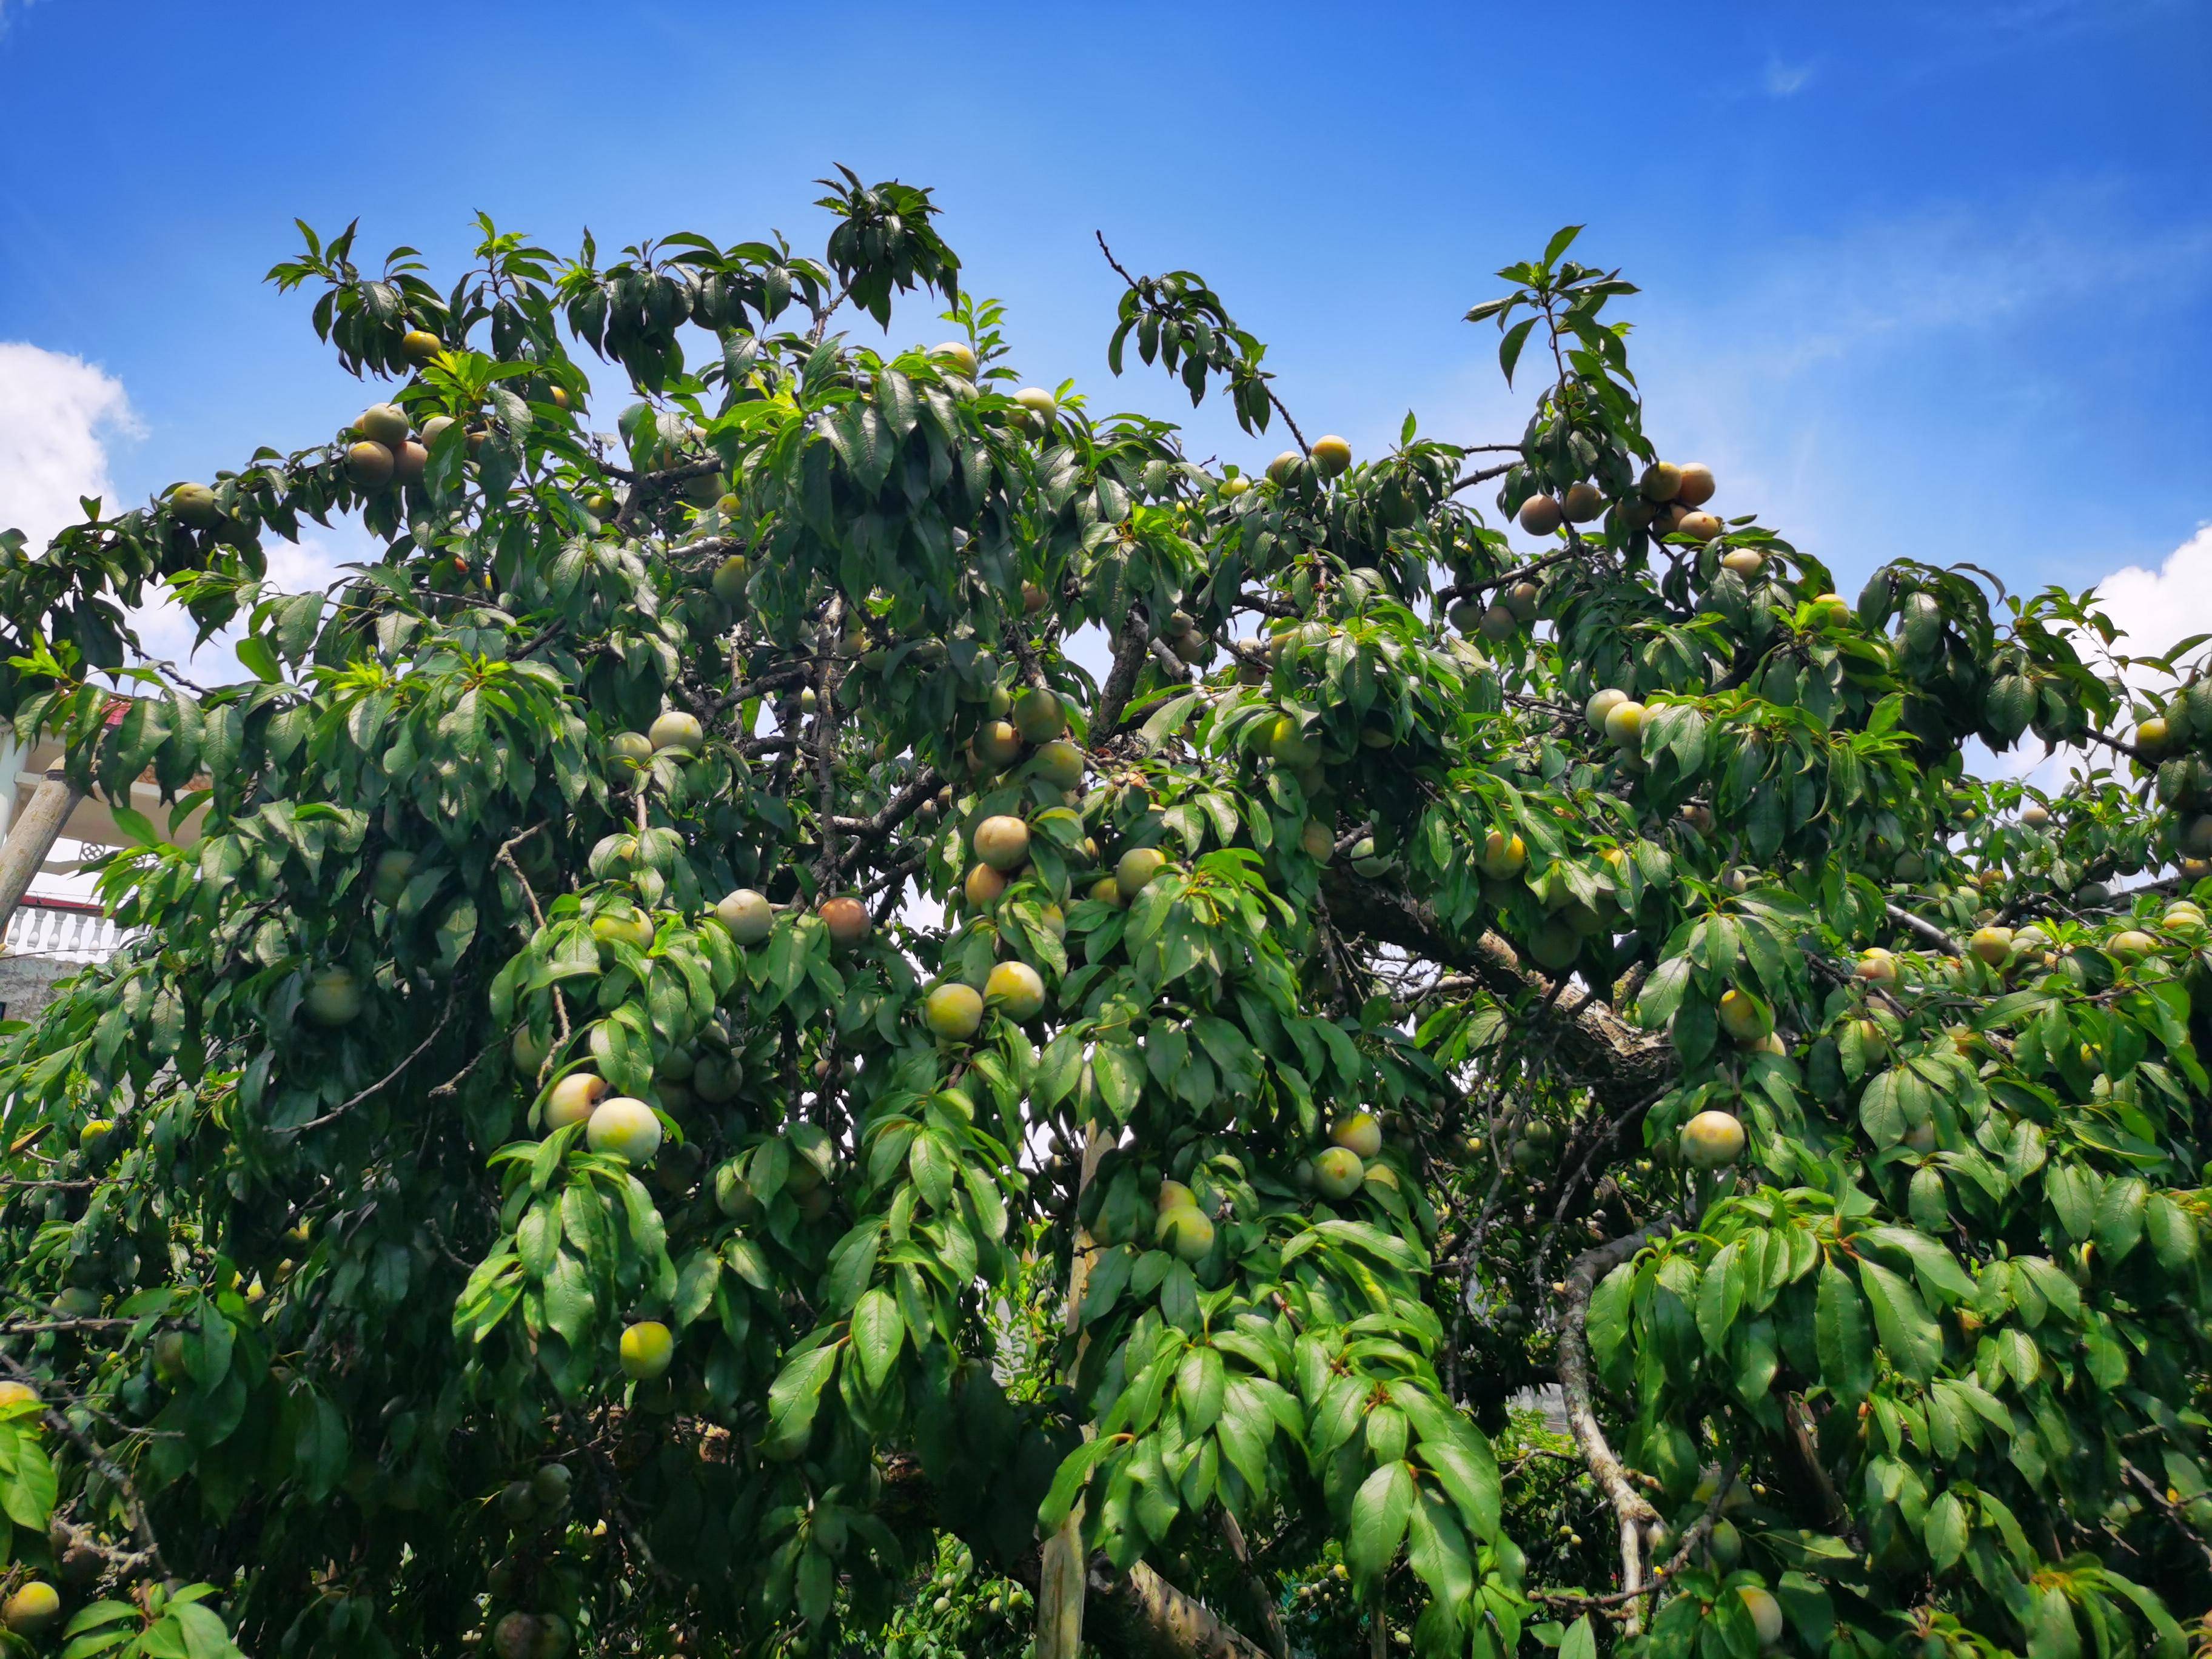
<point x="1342" y="1003"/>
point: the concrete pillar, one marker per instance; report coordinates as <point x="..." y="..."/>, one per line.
<point x="11" y="756"/>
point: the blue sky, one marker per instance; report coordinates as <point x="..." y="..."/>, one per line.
<point x="1919" y="279"/>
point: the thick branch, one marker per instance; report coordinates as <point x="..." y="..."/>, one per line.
<point x="1618" y="1064"/>
<point x="1139" y="1615"/>
<point x="1630" y="1507"/>
<point x="1926" y="932"/>
<point x="1121" y="679"/>
<point x="1270" y="1618"/>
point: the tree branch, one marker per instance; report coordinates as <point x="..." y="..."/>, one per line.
<point x="1928" y="932"/>
<point x="1618" y="1063"/>
<point x="1121" y="679"/>
<point x="1630" y="1507"/>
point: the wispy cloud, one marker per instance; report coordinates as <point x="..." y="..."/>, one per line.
<point x="1785" y="80"/>
<point x="1833" y="382"/>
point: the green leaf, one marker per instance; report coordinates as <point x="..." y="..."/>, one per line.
<point x="1842" y="1336"/>
<point x="1944" y="1531"/>
<point x="794" y="1397"/>
<point x="1067" y="1484"/>
<point x="1508" y="349"/>
<point x="879" y="1332"/>
<point x="1910" y="1337"/>
<point x="1377" y="1522"/>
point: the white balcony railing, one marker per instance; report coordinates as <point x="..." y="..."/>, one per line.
<point x="62" y="930"/>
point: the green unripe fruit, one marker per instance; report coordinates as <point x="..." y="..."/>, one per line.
<point x="571" y="1098"/>
<point x="1186" y="1231"/>
<point x="1289" y="746"/>
<point x="1766" y="1614"/>
<point x="729" y="579"/>
<point x="370" y="466"/>
<point x="678" y="730"/>
<point x="631" y="748"/>
<point x="1359" y="1134"/>
<point x="1060" y="763"/>
<point x="1661" y="482"/>
<point x="333" y="997"/>
<point x="390" y="881"/>
<point x="1712" y="1140"/>
<point x="953" y="1010"/>
<point x="383" y="424"/>
<point x="1624" y="723"/>
<point x="1503" y="855"/>
<point x="1338" y="1173"/>
<point x="998" y="744"/>
<point x="957" y="356"/>
<point x="194" y="505"/>
<point x="1135" y="870"/>
<point x="33" y="1610"/>
<point x="1555" y="945"/>
<point x="634" y="930"/>
<point x="1992" y="945"/>
<point x="550" y="1485"/>
<point x="1017" y="990"/>
<point x="1541" y="515"/>
<point x="1726" y="1544"/>
<point x="747" y="915"/>
<point x="1002" y="843"/>
<point x="1744" y="1017"/>
<point x="624" y="1128"/>
<point x="649" y="1348"/>
<point x="1039" y="715"/>
<point x="1601" y="705"/>
<point x="1281" y="470"/>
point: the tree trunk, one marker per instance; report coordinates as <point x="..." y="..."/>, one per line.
<point x="1061" y="1574"/>
<point x="31" y="837"/>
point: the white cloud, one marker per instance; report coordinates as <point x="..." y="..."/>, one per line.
<point x="57" y="415"/>
<point x="2155" y="610"/>
<point x="167" y="631"/>
<point x="1782" y="79"/>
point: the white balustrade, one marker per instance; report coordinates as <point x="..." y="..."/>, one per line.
<point x="62" y="929"/>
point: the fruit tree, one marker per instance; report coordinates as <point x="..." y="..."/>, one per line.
<point x="844" y="1005"/>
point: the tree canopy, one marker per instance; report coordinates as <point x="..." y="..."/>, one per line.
<point x="875" y="1013"/>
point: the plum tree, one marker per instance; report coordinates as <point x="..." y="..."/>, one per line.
<point x="605" y="1021"/>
